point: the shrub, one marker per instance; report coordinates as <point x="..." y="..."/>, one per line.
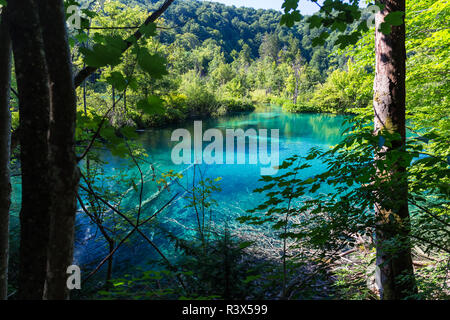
<point x="344" y="90"/>
<point x="228" y="106"/>
<point x="200" y="101"/>
<point x="259" y="96"/>
<point x="301" y="108"/>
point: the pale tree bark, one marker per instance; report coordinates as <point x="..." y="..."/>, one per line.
<point x="393" y="262"/>
<point x="34" y="102"/>
<point x="5" y="142"/>
<point x="64" y="173"/>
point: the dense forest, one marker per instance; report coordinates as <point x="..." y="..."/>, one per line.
<point x="209" y="74"/>
<point x="91" y="91"/>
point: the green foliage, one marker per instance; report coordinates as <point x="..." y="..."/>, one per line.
<point x="301" y="108"/>
<point x="220" y="269"/>
<point x="107" y="51"/>
<point x="199" y="68"/>
<point x="199" y="99"/>
<point x="153" y="64"/>
<point x="344" y="90"/>
<point x="338" y="16"/>
<point x="330" y="220"/>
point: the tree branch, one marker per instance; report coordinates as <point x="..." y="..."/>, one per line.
<point x="87" y="71"/>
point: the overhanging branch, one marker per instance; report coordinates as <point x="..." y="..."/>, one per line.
<point x="87" y="71"/>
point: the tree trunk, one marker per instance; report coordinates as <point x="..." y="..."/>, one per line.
<point x="64" y="174"/>
<point x="34" y="102"/>
<point x="392" y="207"/>
<point x="296" y="76"/>
<point x="5" y="145"/>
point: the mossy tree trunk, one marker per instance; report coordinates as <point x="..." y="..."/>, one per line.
<point x="395" y="274"/>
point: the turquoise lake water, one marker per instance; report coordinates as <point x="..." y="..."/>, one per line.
<point x="297" y="134"/>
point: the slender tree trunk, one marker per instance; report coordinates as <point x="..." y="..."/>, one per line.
<point x="392" y="207"/>
<point x="34" y="102"/>
<point x="296" y="76"/>
<point x="64" y="174"/>
<point x="5" y="145"/>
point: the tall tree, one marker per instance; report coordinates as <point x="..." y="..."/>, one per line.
<point x="5" y="141"/>
<point x="64" y="174"/>
<point x="396" y="274"/>
<point x="34" y="106"/>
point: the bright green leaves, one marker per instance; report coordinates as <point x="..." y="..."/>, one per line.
<point x="289" y="5"/>
<point x="107" y="52"/>
<point x="3" y="3"/>
<point x="151" y="105"/>
<point x="392" y="19"/>
<point x="153" y="64"/>
<point x="81" y="37"/>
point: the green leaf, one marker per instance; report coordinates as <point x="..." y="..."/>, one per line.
<point x="100" y="56"/>
<point x="151" y="105"/>
<point x="129" y="132"/>
<point x="153" y="64"/>
<point x="148" y="30"/>
<point x="289" y="5"/>
<point x="109" y="52"/>
<point x="108" y="133"/>
<point x="385" y="28"/>
<point x="315" y="21"/>
<point x="117" y="80"/>
<point x="392" y="19"/>
<point x="81" y="37"/>
<point x="119" y="150"/>
<point x="395" y="18"/>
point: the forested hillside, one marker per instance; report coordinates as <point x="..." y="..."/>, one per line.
<point x="193" y="22"/>
<point x="220" y="59"/>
